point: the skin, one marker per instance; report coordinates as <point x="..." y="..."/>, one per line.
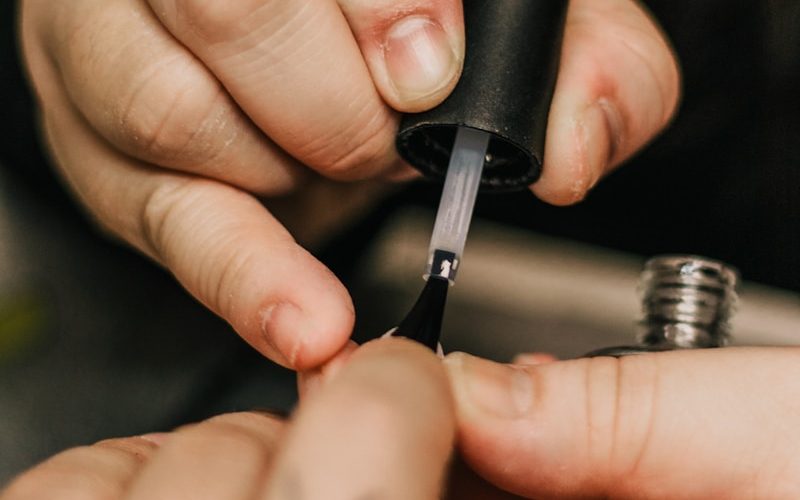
<point x="172" y="121"/>
<point x="394" y="421"/>
<point x="382" y="422"/>
<point x="696" y="424"/>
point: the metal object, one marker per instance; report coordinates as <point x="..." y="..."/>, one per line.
<point x="687" y="303"/>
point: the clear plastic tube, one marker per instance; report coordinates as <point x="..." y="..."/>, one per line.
<point x="457" y="203"/>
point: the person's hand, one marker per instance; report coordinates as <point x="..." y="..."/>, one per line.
<point x="383" y="427"/>
<point x="168" y="117"/>
<point x="697" y="424"/>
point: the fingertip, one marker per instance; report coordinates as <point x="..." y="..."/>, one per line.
<point x="409" y="369"/>
<point x="284" y="302"/>
<point x="391" y="392"/>
<point x="305" y="338"/>
<point x="422" y="61"/>
<point x="409" y="359"/>
<point x="486" y="391"/>
<point x="414" y="50"/>
<point x="580" y="144"/>
<point x="618" y="87"/>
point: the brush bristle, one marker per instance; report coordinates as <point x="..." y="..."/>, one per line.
<point x="424" y="322"/>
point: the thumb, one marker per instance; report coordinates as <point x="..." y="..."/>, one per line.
<point x="414" y="48"/>
<point x="711" y="424"/>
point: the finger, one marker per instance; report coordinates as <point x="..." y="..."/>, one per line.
<point x="414" y="48"/>
<point x="220" y="243"/>
<point x="618" y="87"/>
<point x="224" y="458"/>
<point x="675" y="425"/>
<point x="150" y="97"/>
<point x="296" y="70"/>
<point x="101" y="471"/>
<point x="310" y="382"/>
<point x="382" y="428"/>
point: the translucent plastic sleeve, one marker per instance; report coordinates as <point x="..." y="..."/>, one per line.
<point x="457" y="203"/>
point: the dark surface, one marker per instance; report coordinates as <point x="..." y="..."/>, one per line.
<point x="19" y="144"/>
<point x="116" y="348"/>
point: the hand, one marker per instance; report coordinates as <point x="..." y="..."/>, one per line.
<point x="383" y="427"/>
<point x="168" y="117"/>
<point x="696" y="424"/>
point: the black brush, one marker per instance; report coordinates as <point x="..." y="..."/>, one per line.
<point x="424" y="322"/>
<point x="490" y="132"/>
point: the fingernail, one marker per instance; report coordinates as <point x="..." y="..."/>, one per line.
<point x="490" y="388"/>
<point x="285" y="328"/>
<point x="420" y="58"/>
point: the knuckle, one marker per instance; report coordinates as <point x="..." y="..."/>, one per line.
<point x="134" y="448"/>
<point x="224" y="437"/>
<point x="266" y="427"/>
<point x="601" y="407"/>
<point x="634" y="414"/>
<point x="180" y="210"/>
<point x="230" y="272"/>
<point x="161" y="215"/>
<point x="173" y="115"/>
<point x="368" y="151"/>
<point x="621" y="395"/>
<point x="212" y="20"/>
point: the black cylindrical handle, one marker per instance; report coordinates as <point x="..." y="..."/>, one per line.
<point x="510" y="69"/>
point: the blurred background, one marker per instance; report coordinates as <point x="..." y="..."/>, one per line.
<point x="95" y="341"/>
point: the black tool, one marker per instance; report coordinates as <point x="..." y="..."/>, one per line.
<point x="489" y="134"/>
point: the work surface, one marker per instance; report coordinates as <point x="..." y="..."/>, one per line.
<point x="97" y="342"/>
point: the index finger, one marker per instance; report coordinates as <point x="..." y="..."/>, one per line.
<point x="383" y="427"/>
<point x="296" y="70"/>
